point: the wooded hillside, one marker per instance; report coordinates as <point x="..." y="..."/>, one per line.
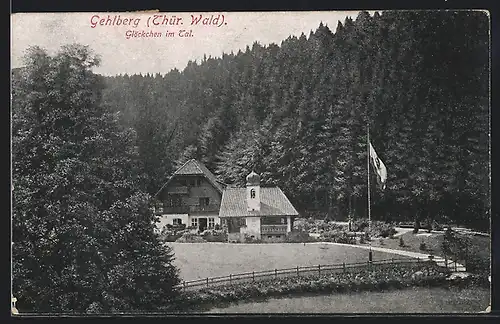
<point x="297" y="113"/>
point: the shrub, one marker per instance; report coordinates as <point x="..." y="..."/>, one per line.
<point x="212" y="232"/>
<point x="346" y="238"/>
<point x="214" y="235"/>
<point x="382" y="229"/>
<point x="378" y="228"/>
<point x="338" y="236"/>
<point x="169" y="235"/>
<point x="401" y="242"/>
<point x="335" y="226"/>
<point x="301" y="224"/>
<point x="359" y="225"/>
<point x="422" y="246"/>
<point x="250" y="239"/>
<point x="190" y="238"/>
<point x="179" y="227"/>
<point x="299" y="237"/>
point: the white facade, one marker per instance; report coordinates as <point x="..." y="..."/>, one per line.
<point x="212" y="220"/>
<point x="252" y="227"/>
<point x="189" y="220"/>
<point x="169" y="219"/>
<point x="253" y="192"/>
<point x="253" y="198"/>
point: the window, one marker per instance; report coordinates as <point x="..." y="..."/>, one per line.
<point x="159" y="207"/>
<point x="198" y="182"/>
<point x="252" y="193"/>
<point x="194" y="222"/>
<point x="182" y="182"/>
<point x="191" y="183"/>
<point x="283" y="220"/>
<point x="243" y="221"/>
<point x="204" y="201"/>
<point x="211" y="222"/>
<point x="177" y="221"/>
<point x="174" y="201"/>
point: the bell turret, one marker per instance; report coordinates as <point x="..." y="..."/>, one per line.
<point x="253" y="192"/>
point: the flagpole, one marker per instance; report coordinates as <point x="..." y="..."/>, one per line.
<point x="368" y="186"/>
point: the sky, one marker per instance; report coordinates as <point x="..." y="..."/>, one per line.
<point x="136" y="55"/>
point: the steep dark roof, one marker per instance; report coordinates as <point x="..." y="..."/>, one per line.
<point x="273" y="202"/>
<point x="194" y="167"/>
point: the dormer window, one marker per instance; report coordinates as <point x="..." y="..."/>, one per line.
<point x="252" y="193"/>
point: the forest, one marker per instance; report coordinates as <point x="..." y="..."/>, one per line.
<point x="89" y="152"/>
<point x="298" y="112"/>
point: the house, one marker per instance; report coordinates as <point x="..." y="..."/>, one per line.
<point x="256" y="212"/>
<point x="192" y="196"/>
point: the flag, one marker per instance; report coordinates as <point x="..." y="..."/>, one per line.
<point x="379" y="167"/>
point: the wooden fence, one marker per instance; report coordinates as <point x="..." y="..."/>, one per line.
<point x="296" y="271"/>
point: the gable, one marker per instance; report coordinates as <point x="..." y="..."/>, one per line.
<point x="194" y="167"/>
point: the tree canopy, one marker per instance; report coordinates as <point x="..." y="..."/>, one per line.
<point x="297" y="113"/>
<point x="83" y="233"/>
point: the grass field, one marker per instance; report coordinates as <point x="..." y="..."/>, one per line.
<point x="411" y="300"/>
<point x="202" y="260"/>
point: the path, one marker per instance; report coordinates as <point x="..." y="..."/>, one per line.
<point x="439" y="260"/>
<point x="402" y="230"/>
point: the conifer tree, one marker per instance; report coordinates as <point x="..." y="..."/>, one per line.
<point x="83" y="233"/>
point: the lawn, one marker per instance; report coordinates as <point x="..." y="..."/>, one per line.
<point x="202" y="260"/>
<point x="410" y="300"/>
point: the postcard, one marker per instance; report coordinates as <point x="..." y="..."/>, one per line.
<point x="278" y="163"/>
